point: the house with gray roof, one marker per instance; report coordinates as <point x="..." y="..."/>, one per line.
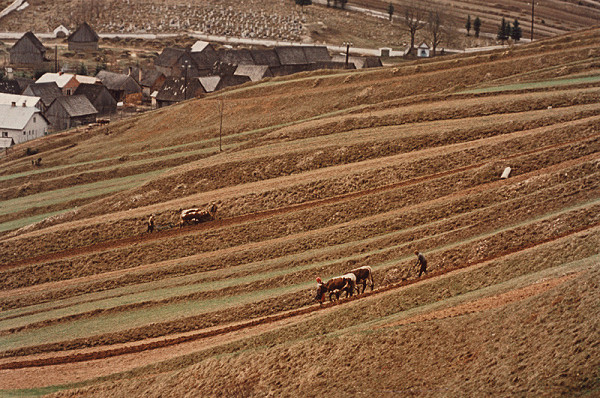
<point x="99" y="96"/>
<point x="265" y="57"/>
<point x="22" y="123"/>
<point x="83" y="39"/>
<point x="28" y="50"/>
<point x="21" y="100"/>
<point x="176" y="89"/>
<point x="46" y="91"/>
<point x="174" y="61"/>
<point x="291" y="55"/>
<point x="71" y="111"/>
<point x="119" y="85"/>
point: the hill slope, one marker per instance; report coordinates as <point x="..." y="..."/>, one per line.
<point x="320" y="173"/>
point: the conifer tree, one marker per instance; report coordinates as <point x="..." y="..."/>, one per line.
<point x="468" y="25"/>
<point x="477" y="26"/>
<point x="516" y="33"/>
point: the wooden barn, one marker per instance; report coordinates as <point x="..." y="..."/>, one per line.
<point x="99" y="96"/>
<point x="176" y="89"/>
<point x="122" y="87"/>
<point x="71" y="111"/>
<point x="83" y="39"/>
<point x="48" y="92"/>
<point x="28" y="50"/>
<point x="173" y="61"/>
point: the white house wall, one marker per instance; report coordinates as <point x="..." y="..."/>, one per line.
<point x="36" y="127"/>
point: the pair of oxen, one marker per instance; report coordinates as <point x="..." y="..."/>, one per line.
<point x="346" y="283"/>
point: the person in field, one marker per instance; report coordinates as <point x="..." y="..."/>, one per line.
<point x="151" y="224"/>
<point x="422" y="262"/>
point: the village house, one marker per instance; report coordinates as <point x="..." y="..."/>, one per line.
<point x="65" y="81"/>
<point x="21" y="100"/>
<point x="60" y="32"/>
<point x="176" y="89"/>
<point x="99" y="96"/>
<point x="71" y="111"/>
<point x="174" y="61"/>
<point x="83" y="39"/>
<point x="21" y="123"/>
<point x="122" y="87"/>
<point x="46" y="91"/>
<point x="28" y="50"/>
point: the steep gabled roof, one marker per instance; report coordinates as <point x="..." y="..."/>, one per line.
<point x="91" y="91"/>
<point x="291" y="55"/>
<point x="150" y="77"/>
<point x="75" y="105"/>
<point x="84" y="34"/>
<point x="46" y="91"/>
<point x="115" y="81"/>
<point x="29" y="36"/>
<point x="16" y="117"/>
<point x="169" y="56"/>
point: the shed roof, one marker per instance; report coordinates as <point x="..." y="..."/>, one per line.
<point x="199" y="46"/>
<point x="83" y="34"/>
<point x="91" y="91"/>
<point x="16" y="117"/>
<point x="75" y="105"/>
<point x="6" y="142"/>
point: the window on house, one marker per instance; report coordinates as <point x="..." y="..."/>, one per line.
<point x="5" y="134"/>
<point x="34" y="119"/>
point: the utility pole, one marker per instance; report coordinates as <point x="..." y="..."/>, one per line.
<point x="186" y="66"/>
<point x="347" y="44"/>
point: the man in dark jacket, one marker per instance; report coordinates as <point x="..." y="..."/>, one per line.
<point x="422" y="262"/>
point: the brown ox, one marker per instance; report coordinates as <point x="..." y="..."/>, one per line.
<point x="335" y="286"/>
<point x="195" y="215"/>
<point x="364" y="275"/>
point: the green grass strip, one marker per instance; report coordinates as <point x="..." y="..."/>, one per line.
<point x="534" y="85"/>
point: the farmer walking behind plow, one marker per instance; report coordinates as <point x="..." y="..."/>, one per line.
<point x="422" y="262"/>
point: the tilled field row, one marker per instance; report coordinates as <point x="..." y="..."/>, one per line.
<point x="527" y="237"/>
<point x="471" y="226"/>
<point x="452" y="182"/>
<point x="130" y="227"/>
<point x="483" y="209"/>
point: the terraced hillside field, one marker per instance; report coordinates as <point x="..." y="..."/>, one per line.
<point x="314" y="175"/>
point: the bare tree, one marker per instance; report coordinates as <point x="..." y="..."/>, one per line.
<point x="438" y="28"/>
<point x="414" y="20"/>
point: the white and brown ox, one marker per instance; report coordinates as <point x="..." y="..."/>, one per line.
<point x="335" y="286"/>
<point x="196" y="215"/>
<point x="364" y="275"/>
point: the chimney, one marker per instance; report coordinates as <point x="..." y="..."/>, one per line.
<point x="13" y="104"/>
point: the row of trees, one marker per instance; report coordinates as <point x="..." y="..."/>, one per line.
<point x="476" y="25"/>
<point x="505" y="31"/>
